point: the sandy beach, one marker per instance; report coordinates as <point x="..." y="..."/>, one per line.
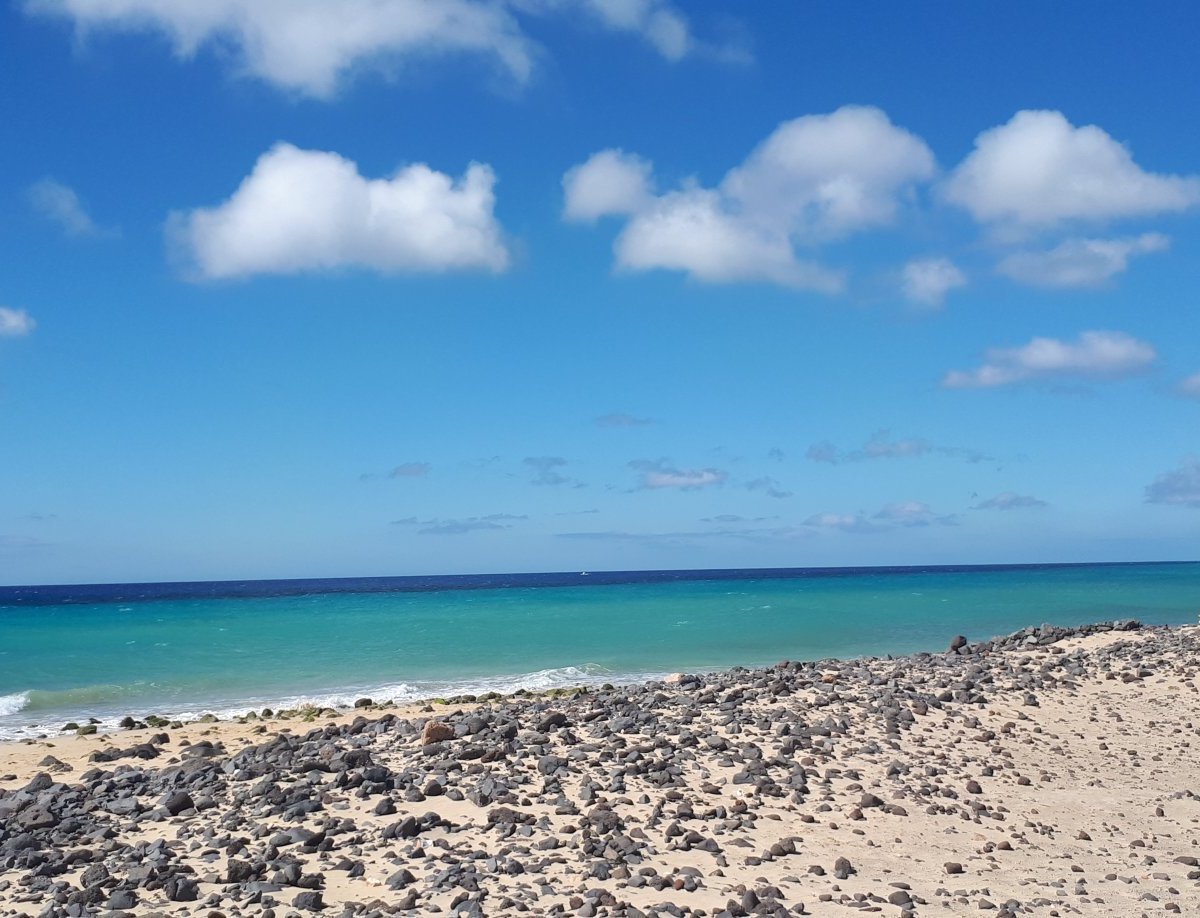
<point x="1051" y="772"/>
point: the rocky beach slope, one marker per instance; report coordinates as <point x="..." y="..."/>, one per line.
<point x="1051" y="772"/>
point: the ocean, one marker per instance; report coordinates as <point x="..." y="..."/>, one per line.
<point x="181" y="650"/>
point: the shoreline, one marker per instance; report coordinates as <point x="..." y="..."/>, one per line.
<point x="293" y="704"/>
<point x="1047" y="772"/>
<point x="299" y="706"/>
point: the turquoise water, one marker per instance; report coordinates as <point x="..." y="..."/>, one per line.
<point x="183" y="655"/>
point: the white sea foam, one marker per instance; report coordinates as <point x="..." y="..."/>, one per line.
<point x="11" y="704"/>
<point x="418" y="690"/>
<point x="109" y="711"/>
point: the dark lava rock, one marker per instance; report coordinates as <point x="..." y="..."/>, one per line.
<point x="36" y="817"/>
<point x="239" y="871"/>
<point x="310" y="901"/>
<point x="551" y="720"/>
<point x="181" y="889"/>
<point x="179" y="801"/>
<point x="122" y="899"/>
<point x="400" y="879"/>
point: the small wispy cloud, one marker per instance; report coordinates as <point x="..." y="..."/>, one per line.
<point x="15" y="323"/>
<point x="459" y="527"/>
<point x="900" y="514"/>
<point x="1010" y="500"/>
<point x="660" y="473"/>
<point x="1179" y="487"/>
<point x="21" y="543"/>
<point x="912" y="513"/>
<point x="546" y="471"/>
<point x="768" y="486"/>
<point x="405" y="470"/>
<point x="411" y="470"/>
<point x="1190" y="387"/>
<point x="491" y="522"/>
<point x="927" y="281"/>
<point x="824" y="452"/>
<point x="620" y="419"/>
<point x="727" y="518"/>
<point x="761" y="534"/>
<point x="59" y="204"/>
<point x="1079" y="262"/>
<point x="843" y="522"/>
<point x="881" y="445"/>
<point x="1094" y="355"/>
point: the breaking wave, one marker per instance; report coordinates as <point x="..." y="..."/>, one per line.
<point x="11" y="704"/>
<point x="84" y="697"/>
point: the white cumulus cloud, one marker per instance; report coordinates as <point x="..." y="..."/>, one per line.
<point x="15" y="323"/>
<point x="1079" y="262"/>
<point x="309" y="46"/>
<point x="815" y="179"/>
<point x="1190" y="386"/>
<point x="312" y="46"/>
<point x="691" y="231"/>
<point x="926" y="281"/>
<point x="609" y="183"/>
<point x="1094" y="355"/>
<point x="304" y="210"/>
<point x="1039" y="170"/>
<point x="830" y="175"/>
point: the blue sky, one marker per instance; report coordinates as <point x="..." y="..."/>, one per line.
<point x="396" y="287"/>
